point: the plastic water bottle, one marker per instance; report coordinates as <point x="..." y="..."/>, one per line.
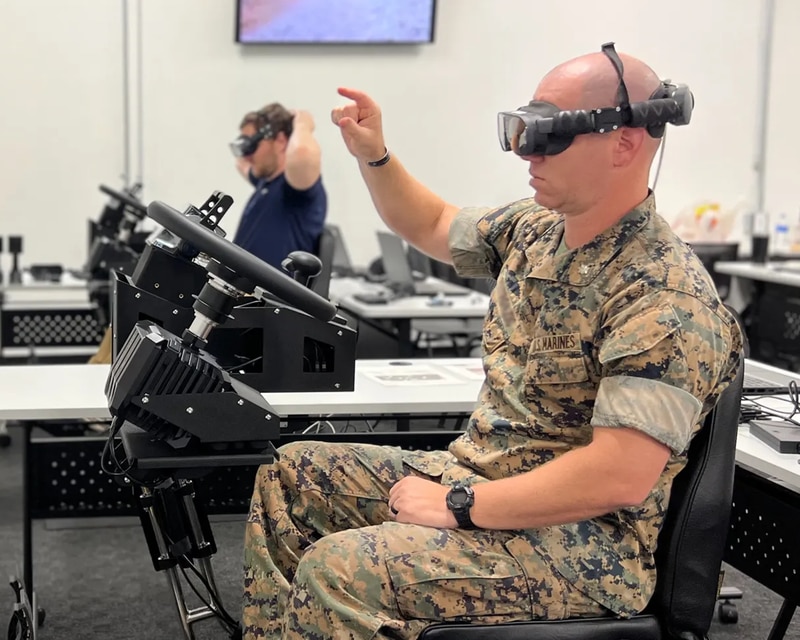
<point x="782" y="241"/>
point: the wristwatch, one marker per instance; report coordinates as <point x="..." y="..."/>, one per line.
<point x="459" y="500"/>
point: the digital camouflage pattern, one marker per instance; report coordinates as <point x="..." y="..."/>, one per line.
<point x="320" y="522"/>
<point x="627" y="331"/>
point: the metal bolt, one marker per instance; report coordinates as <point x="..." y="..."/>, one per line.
<point x="338" y="333"/>
<point x="277" y="311"/>
<point x="602" y="130"/>
<point x="145" y="400"/>
<point x="138" y="295"/>
<point x="189" y="410"/>
<point x="180" y="296"/>
<point x="615" y="127"/>
<point x="240" y="403"/>
<point x="174" y="312"/>
<point x="618" y="109"/>
<point x="337" y="385"/>
<point x="156" y="285"/>
<point x="126" y="480"/>
<point x="268" y="416"/>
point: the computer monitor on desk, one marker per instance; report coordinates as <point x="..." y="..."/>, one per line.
<point x="341" y="265"/>
<point x="398" y="271"/>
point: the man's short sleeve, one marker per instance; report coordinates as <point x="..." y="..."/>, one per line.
<point x="664" y="361"/>
<point x="479" y="237"/>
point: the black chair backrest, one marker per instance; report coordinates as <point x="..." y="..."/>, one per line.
<point x="692" y="540"/>
<point x="326" y="245"/>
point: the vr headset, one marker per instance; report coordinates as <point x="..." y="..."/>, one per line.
<point x="541" y="129"/>
<point x="247" y="145"/>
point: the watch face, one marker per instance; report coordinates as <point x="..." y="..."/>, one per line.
<point x="458" y="498"/>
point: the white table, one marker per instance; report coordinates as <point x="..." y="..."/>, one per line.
<point x="744" y="274"/>
<point x="47" y="319"/>
<point x="68" y="288"/>
<point x="401" y="312"/>
<point x="781" y="272"/>
<point x="67" y="392"/>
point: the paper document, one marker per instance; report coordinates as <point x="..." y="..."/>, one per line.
<point x="469" y="371"/>
<point x="409" y="376"/>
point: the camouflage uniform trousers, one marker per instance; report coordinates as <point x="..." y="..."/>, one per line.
<point x="325" y="559"/>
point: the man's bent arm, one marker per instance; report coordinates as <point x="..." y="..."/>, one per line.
<point x="303" y="156"/>
<point x="618" y="469"/>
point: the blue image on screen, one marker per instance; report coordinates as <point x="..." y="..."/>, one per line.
<point x="343" y="21"/>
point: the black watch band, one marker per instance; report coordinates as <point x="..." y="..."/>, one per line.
<point x="379" y="163"/>
<point x="460" y="500"/>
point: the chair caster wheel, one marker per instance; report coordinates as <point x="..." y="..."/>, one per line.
<point x="727" y="613"/>
<point x="5" y="440"/>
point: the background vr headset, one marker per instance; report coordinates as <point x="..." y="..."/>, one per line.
<point x="542" y="129"/>
<point x="247" y="145"/>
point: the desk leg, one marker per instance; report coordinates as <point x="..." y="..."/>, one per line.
<point x="27" y="533"/>
<point x="781" y="624"/>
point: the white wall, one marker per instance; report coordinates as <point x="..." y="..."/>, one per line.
<point x="60" y="122"/>
<point x="783" y="140"/>
<point x="439" y="102"/>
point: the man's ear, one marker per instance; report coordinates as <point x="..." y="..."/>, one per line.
<point x="281" y="140"/>
<point x="629" y="142"/>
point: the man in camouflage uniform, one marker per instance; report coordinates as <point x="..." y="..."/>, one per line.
<point x="605" y="346"/>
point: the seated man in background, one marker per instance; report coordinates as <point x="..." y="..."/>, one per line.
<point x="278" y="154"/>
<point x="605" y="346"/>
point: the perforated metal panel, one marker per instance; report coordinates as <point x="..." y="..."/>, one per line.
<point x="66" y="480"/>
<point x="775" y="326"/>
<point x="50" y="328"/>
<point x="763" y="540"/>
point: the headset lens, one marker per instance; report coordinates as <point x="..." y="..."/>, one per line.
<point x="510" y="128"/>
<point x="245" y="145"/>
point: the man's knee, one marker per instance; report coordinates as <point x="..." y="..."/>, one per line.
<point x="345" y="561"/>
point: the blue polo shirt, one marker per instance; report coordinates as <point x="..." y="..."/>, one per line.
<point x="279" y="219"/>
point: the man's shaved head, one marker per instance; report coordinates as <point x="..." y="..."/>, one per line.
<point x="596" y="169"/>
<point x="597" y="81"/>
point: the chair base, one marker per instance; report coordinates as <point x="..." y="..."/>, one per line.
<point x="642" y="627"/>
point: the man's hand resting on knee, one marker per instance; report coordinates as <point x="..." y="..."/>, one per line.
<point x="414" y="500"/>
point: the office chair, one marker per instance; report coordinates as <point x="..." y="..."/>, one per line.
<point x="688" y="558"/>
<point x="326" y="245"/>
<point x="712" y="252"/>
<point x="461" y="334"/>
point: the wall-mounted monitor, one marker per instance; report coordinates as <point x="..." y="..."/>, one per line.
<point x="335" y="21"/>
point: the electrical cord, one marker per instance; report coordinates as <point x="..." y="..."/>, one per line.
<point x="756" y="402"/>
<point x="660" y="159"/>
<point x="109" y="456"/>
<point x="216" y="608"/>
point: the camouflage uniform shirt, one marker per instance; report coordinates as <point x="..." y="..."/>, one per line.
<point x="625" y="331"/>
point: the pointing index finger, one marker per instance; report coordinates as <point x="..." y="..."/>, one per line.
<point x="361" y="99"/>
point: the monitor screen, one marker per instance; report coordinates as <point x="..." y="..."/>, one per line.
<point x="341" y="22"/>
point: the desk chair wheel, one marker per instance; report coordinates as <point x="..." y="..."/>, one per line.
<point x="727" y="612"/>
